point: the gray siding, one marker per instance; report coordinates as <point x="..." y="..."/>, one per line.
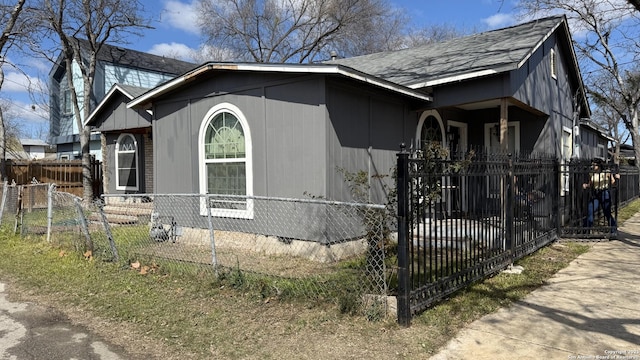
<point x="287" y="136"/>
<point x="365" y="132"/>
<point x="115" y="116"/>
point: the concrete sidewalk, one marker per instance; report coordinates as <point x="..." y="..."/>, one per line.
<point x="589" y="310"/>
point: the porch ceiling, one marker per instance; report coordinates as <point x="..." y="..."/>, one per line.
<point x="493" y="103"/>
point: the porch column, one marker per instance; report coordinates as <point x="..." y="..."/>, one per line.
<point x="504" y="127"/>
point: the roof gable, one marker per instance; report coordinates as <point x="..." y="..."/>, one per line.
<point x="128" y="92"/>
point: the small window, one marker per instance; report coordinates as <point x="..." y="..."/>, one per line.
<point x="66" y="102"/>
<point x="554" y="64"/>
<point x="567" y="149"/>
<point x="602" y="152"/>
<point x="126" y="163"/>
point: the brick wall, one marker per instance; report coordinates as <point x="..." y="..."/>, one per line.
<point x="148" y="164"/>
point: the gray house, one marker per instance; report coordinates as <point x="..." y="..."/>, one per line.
<point x="284" y="130"/>
<point x="115" y="65"/>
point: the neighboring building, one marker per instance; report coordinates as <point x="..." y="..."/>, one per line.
<point x="35" y="149"/>
<point x="115" y="65"/>
<point x="284" y="130"/>
<point x="594" y="141"/>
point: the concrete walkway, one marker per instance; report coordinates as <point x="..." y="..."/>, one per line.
<point x="589" y="310"/>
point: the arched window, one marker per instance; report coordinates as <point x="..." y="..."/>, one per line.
<point x="126" y="163"/>
<point x="225" y="162"/>
<point x="430" y="130"/>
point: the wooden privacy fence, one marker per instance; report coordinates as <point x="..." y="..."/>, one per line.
<point x="66" y="174"/>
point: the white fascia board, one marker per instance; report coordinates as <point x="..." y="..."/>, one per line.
<point x="461" y="77"/>
<point x="281" y="68"/>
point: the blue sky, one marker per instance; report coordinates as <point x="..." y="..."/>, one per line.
<point x="175" y="33"/>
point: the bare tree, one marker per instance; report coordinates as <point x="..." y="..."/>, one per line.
<point x="607" y="42"/>
<point x="81" y="28"/>
<point x="300" y="30"/>
<point x="432" y="34"/>
<point x="611" y="109"/>
<point x="9" y="15"/>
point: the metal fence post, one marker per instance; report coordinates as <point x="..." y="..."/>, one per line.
<point x="510" y="209"/>
<point x="84" y="225"/>
<point x="214" y="261"/>
<point x="107" y="230"/>
<point x="50" y="210"/>
<point x="4" y="199"/>
<point x="555" y="204"/>
<point x="18" y="211"/>
<point x="404" y="308"/>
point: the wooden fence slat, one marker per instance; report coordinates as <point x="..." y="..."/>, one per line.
<point x="66" y="174"/>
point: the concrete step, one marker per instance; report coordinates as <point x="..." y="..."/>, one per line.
<point x="116" y="218"/>
<point x="132" y="210"/>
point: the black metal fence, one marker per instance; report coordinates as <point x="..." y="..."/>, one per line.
<point x="592" y="195"/>
<point x="464" y="218"/>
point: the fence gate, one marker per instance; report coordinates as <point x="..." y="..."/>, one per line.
<point x="592" y="194"/>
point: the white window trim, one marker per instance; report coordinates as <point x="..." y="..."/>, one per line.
<point x="553" y="63"/>
<point x="487" y="141"/>
<point x="563" y="161"/>
<point x="601" y="152"/>
<point x="423" y="118"/>
<point x="516" y="129"/>
<point x="228" y="213"/>
<point x="135" y="160"/>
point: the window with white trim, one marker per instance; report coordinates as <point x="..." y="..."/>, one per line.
<point x="492" y="143"/>
<point x="126" y="162"/>
<point x="554" y="64"/>
<point x="66" y="101"/>
<point x="567" y="145"/>
<point x="225" y="162"/>
<point x="602" y="153"/>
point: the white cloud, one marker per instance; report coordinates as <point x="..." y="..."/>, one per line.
<point x="173" y="50"/>
<point x="18" y="82"/>
<point x="183" y="16"/>
<point x="499" y="20"/>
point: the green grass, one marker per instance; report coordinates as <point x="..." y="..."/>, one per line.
<point x="245" y="315"/>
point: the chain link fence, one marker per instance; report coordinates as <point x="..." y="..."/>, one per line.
<point x="308" y="249"/>
<point x="39" y="210"/>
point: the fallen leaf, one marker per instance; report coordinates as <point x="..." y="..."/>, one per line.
<point x="135" y="265"/>
<point x="144" y="270"/>
<point x="62" y="253"/>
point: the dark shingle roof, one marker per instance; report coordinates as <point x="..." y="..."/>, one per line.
<point x="134" y="91"/>
<point x="140" y="60"/>
<point x="492" y="51"/>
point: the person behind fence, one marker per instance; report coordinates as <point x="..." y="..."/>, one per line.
<point x="599" y="185"/>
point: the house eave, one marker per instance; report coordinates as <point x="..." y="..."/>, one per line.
<point x="145" y="100"/>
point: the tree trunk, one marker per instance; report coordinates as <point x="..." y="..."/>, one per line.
<point x="87" y="178"/>
<point x="3" y="134"/>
